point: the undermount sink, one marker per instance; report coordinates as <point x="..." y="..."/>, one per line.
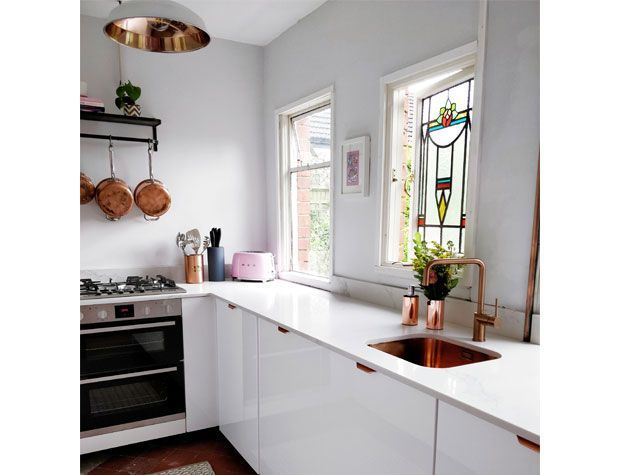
<point x="433" y="352"/>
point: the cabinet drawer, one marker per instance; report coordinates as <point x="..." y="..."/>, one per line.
<point x="469" y="445"/>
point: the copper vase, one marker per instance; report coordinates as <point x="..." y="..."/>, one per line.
<point x="435" y="314"/>
<point x="194" y="268"/>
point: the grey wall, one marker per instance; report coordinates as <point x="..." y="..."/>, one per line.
<point x="210" y="152"/>
<point x="352" y="45"/>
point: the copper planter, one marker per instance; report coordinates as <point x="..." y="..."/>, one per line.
<point x="193" y="265"/>
<point x="435" y="314"/>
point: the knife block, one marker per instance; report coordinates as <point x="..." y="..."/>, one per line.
<point x="216" y="264"/>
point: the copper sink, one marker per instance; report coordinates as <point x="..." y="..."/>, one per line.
<point x="433" y="352"/>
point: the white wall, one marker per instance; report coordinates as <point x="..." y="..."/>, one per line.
<point x="210" y="149"/>
<point x="352" y="45"/>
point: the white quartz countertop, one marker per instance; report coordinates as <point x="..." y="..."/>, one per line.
<point x="504" y="391"/>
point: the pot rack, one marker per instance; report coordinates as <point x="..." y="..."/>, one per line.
<point x="122" y="119"/>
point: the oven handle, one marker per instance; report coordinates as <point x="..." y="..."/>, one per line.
<point x="128" y="375"/>
<point x="127" y="327"/>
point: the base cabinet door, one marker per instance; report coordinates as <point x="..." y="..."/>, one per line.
<point x="320" y="414"/>
<point x="237" y="341"/>
<point x="468" y="445"/>
<point x="200" y="362"/>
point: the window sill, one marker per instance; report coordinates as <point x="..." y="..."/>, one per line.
<point x="394" y="270"/>
<point x="322" y="283"/>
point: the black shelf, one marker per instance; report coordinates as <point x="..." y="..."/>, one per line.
<point x="122" y="119"/>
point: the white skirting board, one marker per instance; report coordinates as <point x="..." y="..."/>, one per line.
<point x="131" y="436"/>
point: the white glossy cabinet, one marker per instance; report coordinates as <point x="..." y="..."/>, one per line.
<point x="467" y="445"/>
<point x="320" y="414"/>
<point x="200" y="362"/>
<point x="238" y="379"/>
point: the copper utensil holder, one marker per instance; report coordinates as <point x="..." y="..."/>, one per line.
<point x="193" y="265"/>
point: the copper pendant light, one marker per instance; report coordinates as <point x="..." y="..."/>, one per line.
<point x="158" y="26"/>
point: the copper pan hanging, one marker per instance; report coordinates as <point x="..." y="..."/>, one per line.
<point x="113" y="195"/>
<point x="87" y="189"/>
<point x="151" y="196"/>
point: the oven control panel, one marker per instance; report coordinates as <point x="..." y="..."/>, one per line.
<point x="130" y="311"/>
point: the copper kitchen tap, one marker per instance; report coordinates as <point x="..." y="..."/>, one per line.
<point x="481" y="319"/>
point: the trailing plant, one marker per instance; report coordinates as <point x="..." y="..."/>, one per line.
<point x="127" y="94"/>
<point x="442" y="278"/>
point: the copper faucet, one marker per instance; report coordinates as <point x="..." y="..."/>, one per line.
<point x="481" y="319"/>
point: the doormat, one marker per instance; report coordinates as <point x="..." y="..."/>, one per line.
<point x="200" y="468"/>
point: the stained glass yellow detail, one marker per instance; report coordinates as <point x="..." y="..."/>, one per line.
<point x="442" y="208"/>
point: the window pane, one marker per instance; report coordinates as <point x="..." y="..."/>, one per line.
<point x="310" y="217"/>
<point x="443" y="165"/>
<point x="310" y="138"/>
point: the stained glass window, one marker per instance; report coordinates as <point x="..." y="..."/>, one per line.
<point x="443" y="161"/>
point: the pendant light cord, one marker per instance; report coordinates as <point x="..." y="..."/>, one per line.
<point x="120" y="72"/>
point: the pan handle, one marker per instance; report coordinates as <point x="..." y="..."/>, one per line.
<point x="150" y="148"/>
<point x="151" y="218"/>
<point x="111" y="157"/>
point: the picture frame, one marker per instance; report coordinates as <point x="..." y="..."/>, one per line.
<point x="355" y="166"/>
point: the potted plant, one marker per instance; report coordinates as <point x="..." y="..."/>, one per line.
<point x="442" y="278"/>
<point x="128" y="94"/>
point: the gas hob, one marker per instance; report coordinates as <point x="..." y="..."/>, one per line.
<point x="132" y="286"/>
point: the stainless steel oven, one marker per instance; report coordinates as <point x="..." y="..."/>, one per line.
<point x="132" y="365"/>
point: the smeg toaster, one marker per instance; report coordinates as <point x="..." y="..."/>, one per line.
<point x="253" y="265"/>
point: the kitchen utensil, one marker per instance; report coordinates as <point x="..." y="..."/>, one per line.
<point x="181" y="242"/>
<point x="151" y="196"/>
<point x="194" y="238"/>
<point x="87" y="189"/>
<point x="113" y="195"/>
<point x="215" y="237"/>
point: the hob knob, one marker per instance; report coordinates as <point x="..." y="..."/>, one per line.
<point x="102" y="314"/>
<point x="168" y="307"/>
<point x="82" y="316"/>
<point x="147" y="310"/>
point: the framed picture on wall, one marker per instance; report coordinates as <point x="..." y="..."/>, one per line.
<point x="355" y="167"/>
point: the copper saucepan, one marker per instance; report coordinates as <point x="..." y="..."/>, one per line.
<point x="87" y="189"/>
<point x="151" y="196"/>
<point x="113" y="195"/>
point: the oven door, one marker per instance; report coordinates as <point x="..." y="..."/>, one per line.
<point x="126" y="348"/>
<point x="132" y="400"/>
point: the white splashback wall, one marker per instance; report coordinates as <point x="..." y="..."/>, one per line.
<point x="210" y="149"/>
<point x="352" y="45"/>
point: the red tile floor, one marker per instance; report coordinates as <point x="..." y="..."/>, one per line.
<point x="169" y="452"/>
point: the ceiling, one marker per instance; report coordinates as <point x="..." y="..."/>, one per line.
<point x="255" y="22"/>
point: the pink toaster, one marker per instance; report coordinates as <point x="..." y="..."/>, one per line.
<point x="253" y="265"/>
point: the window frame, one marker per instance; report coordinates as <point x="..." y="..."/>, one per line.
<point x="463" y="57"/>
<point x="283" y="118"/>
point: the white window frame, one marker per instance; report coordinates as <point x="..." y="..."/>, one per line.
<point x="283" y="146"/>
<point x="459" y="58"/>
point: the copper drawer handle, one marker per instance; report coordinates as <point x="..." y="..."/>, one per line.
<point x="528" y="443"/>
<point x="283" y="330"/>
<point x="231" y="306"/>
<point x="364" y="368"/>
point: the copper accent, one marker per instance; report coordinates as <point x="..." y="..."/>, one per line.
<point x="231" y="306"/>
<point x="528" y="443"/>
<point x="410" y="310"/>
<point x="435" y="314"/>
<point x="432" y="352"/>
<point x="151" y="196"/>
<point x="283" y="330"/>
<point x="194" y="268"/>
<point x="158" y="35"/>
<point x="87" y="189"/>
<point x="533" y="262"/>
<point x="480" y="319"/>
<point x="112" y="194"/>
<point x="114" y="197"/>
<point x="364" y="368"/>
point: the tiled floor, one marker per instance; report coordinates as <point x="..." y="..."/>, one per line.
<point x="170" y="452"/>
